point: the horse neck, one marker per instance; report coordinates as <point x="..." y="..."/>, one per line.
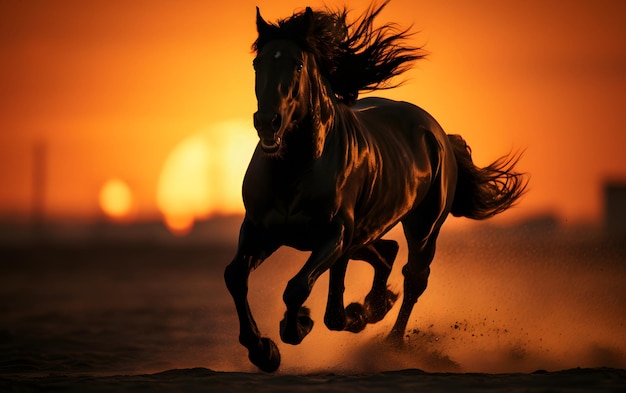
<point x="323" y="109"/>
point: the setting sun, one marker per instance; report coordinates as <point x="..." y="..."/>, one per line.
<point x="116" y="199"/>
<point x="202" y="175"/>
<point x="124" y="82"/>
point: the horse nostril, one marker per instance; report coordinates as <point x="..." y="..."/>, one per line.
<point x="276" y="122"/>
<point x="267" y="122"/>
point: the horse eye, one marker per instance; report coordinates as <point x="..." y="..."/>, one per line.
<point x="300" y="66"/>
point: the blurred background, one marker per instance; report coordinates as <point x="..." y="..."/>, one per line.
<point x="126" y="128"/>
<point x="141" y="112"/>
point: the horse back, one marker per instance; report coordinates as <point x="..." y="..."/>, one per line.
<point x="405" y="135"/>
<point x="397" y="118"/>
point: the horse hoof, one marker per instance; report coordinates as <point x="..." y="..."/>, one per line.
<point x="377" y="308"/>
<point x="292" y="333"/>
<point x="334" y="322"/>
<point x="267" y="358"/>
<point x="356" y="316"/>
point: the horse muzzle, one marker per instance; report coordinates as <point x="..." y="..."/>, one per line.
<point x="269" y="127"/>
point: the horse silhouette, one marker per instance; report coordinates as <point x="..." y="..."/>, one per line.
<point x="332" y="174"/>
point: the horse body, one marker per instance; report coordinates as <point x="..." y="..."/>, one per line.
<point x="408" y="152"/>
<point x="332" y="175"/>
<point x="372" y="173"/>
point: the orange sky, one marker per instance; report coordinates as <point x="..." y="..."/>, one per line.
<point x="112" y="87"/>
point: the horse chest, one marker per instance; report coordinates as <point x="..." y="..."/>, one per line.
<point x="293" y="207"/>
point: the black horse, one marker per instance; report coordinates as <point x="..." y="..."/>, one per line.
<point x="332" y="174"/>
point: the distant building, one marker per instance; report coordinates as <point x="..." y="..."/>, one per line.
<point x="615" y="207"/>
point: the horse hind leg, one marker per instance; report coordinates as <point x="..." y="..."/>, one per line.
<point x="421" y="229"/>
<point x="416" y="272"/>
<point x="380" y="299"/>
<point x="381" y="255"/>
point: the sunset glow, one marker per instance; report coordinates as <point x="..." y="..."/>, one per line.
<point x="116" y="199"/>
<point x="202" y="175"/>
<point x="111" y="88"/>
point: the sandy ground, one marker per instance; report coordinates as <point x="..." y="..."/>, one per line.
<point x="204" y="380"/>
<point x="506" y="310"/>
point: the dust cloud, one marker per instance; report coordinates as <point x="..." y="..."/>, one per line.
<point x="499" y="300"/>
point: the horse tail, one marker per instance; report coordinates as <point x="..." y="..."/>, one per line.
<point x="484" y="192"/>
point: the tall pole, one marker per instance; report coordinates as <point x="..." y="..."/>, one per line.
<point x="39" y="187"/>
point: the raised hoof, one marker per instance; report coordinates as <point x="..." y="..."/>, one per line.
<point x="267" y="358"/>
<point x="293" y="333"/>
<point x="377" y="307"/>
<point x="356" y="318"/>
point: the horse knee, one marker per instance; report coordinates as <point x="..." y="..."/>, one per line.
<point x="296" y="292"/>
<point x="415" y="281"/>
<point x="388" y="249"/>
<point x="234" y="275"/>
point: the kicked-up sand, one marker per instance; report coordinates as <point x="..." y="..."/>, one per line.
<point x="505" y="310"/>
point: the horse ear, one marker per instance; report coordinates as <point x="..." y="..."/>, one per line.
<point x="261" y="25"/>
<point x="307" y="26"/>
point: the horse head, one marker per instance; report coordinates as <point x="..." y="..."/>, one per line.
<point x="288" y="87"/>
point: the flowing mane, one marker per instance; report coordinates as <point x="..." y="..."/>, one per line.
<point x="353" y="57"/>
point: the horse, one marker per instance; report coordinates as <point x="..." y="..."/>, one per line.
<point x="331" y="173"/>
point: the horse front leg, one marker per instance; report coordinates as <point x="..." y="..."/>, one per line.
<point x="335" y="315"/>
<point x="297" y="323"/>
<point x="262" y="351"/>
